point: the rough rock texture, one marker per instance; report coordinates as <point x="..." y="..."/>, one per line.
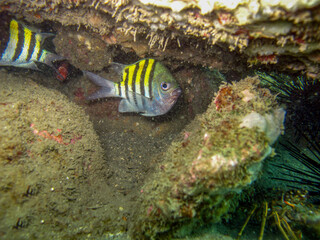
<point x="200" y="32"/>
<point x="221" y="153"/>
<point x="51" y="163"/>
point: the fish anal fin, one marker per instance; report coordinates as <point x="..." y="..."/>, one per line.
<point x="29" y="65"/>
<point x="149" y="114"/>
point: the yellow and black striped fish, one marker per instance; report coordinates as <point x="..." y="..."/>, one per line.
<point x="147" y="87"/>
<point x="22" y="47"/>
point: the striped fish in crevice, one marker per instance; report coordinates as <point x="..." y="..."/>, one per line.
<point x="22" y="47"/>
<point x="147" y="87"/>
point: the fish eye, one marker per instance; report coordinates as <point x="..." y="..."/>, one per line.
<point x="165" y="86"/>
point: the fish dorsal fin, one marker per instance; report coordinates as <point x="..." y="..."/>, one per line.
<point x="42" y="38"/>
<point x="24" y="25"/>
<point x="35" y="30"/>
<point x="45" y="35"/>
<point x="117" y="67"/>
<point x="31" y="28"/>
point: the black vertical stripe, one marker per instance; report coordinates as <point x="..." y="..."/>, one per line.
<point x="119" y="89"/>
<point x="151" y="79"/>
<point x="134" y="78"/>
<point x="4" y="36"/>
<point x="40" y="50"/>
<point x="20" y="43"/>
<point x="143" y="75"/>
<point x="126" y="83"/>
<point x="31" y="47"/>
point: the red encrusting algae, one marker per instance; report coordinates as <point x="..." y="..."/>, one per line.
<point x="56" y="137"/>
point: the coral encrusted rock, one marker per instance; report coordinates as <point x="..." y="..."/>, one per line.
<point x="219" y="154"/>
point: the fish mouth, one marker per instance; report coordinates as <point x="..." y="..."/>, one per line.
<point x="174" y="95"/>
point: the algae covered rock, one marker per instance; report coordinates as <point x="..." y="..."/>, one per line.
<point x="48" y="147"/>
<point x="220" y="153"/>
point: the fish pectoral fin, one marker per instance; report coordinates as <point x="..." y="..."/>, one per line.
<point x="152" y="108"/>
<point x="149" y="107"/>
<point x="126" y="106"/>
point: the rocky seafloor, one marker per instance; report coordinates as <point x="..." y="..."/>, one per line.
<point x="73" y="169"/>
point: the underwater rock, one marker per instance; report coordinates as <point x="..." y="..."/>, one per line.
<point x="219" y="154"/>
<point x="49" y="157"/>
<point x="83" y="50"/>
<point x="199" y="32"/>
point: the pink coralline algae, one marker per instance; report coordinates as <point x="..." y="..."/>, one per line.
<point x="53" y="136"/>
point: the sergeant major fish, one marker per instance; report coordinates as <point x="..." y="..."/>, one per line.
<point x="147" y="87"/>
<point x="22" y="47"/>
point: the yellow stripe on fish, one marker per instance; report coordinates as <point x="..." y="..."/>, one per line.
<point x="147" y="79"/>
<point x="26" y="46"/>
<point x="137" y="79"/>
<point x="130" y="77"/>
<point x="36" y="50"/>
<point x="10" y="50"/>
<point x="23" y="46"/>
<point x="146" y="87"/>
<point x="122" y="84"/>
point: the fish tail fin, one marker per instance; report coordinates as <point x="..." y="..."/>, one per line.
<point x="107" y="87"/>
